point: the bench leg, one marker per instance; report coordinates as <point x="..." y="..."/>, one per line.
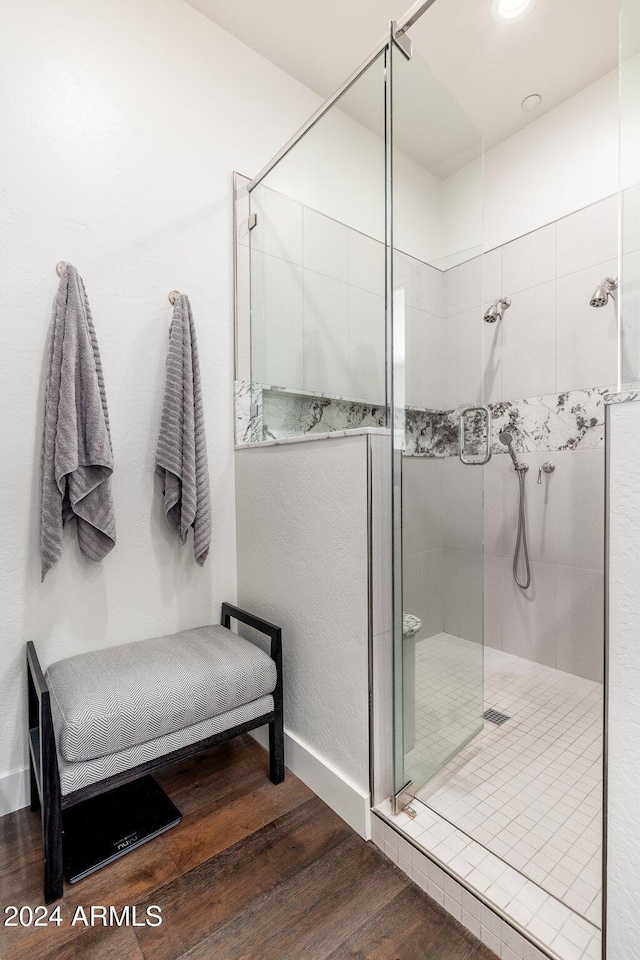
<point x="276" y="750"/>
<point x="34" y="799"/>
<point x="52" y="842"/>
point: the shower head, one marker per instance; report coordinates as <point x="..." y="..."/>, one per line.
<point x="604" y="290"/>
<point x="496" y="310"/>
<point x="505" y="437"/>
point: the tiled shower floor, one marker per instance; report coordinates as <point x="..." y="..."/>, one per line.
<point x="530" y="790"/>
<point x="522" y="799"/>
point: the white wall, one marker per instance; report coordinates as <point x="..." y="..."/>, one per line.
<point x="560" y="163"/>
<point x="122" y="121"/>
<point x="338" y="169"/>
<point x="302" y="561"/>
<point x="623" y="860"/>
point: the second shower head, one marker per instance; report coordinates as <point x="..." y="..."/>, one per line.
<point x="496" y="310"/>
<point x="604" y="290"/>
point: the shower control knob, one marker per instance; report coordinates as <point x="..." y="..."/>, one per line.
<point x="548" y="467"/>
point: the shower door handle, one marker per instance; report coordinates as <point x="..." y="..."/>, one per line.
<point x="484" y="454"/>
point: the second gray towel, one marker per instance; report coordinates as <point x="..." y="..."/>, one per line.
<point x="181" y="457"/>
<point x="77" y="459"/>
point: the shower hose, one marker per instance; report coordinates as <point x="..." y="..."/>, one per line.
<point x="521" y="539"/>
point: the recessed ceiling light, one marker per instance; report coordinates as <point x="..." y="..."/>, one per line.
<point x="531" y="102"/>
<point x="510" y="11"/>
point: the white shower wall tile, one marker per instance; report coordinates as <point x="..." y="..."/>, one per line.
<point x="528" y="343"/>
<point x="326" y="312"/>
<point x="434" y="338"/>
<point x="492" y="359"/>
<point x="586" y="337"/>
<point x="366" y="263"/>
<point x="415" y="347"/>
<point x="432" y="290"/>
<point x="580" y="619"/>
<point x="407" y="279"/>
<point x="529" y="261"/>
<point x="277" y="318"/>
<point x="529" y="617"/>
<point x="493" y="636"/>
<point x="558" y="621"/>
<point x="278" y="229"/>
<point x="470" y="369"/>
<point x="470" y="285"/>
<point x="366" y="344"/>
<point x="325" y="245"/>
<point x="587" y="237"/>
<point x="492" y="286"/>
<point x="577" y="487"/>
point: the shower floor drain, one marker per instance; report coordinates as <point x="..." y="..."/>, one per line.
<point x="494" y="717"/>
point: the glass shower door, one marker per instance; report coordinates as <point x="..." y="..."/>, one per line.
<point x="440" y="428"/>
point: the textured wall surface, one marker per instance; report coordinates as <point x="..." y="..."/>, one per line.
<point x="302" y="562"/>
<point x="122" y="122"/>
<point x="623" y="895"/>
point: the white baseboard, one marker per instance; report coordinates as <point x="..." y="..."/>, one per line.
<point x="14" y="791"/>
<point x="338" y="792"/>
<point x="344" y="797"/>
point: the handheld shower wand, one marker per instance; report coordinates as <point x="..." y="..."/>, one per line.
<point x="521" y="538"/>
<point x="505" y="437"/>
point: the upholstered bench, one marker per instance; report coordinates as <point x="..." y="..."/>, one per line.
<point x="102" y="719"/>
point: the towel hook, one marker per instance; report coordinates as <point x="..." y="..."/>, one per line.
<point x="173" y="296"/>
<point x="60" y="265"/>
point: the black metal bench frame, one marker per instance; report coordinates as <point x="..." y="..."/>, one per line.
<point x="46" y="795"/>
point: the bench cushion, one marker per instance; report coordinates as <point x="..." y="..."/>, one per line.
<point x="111" y="700"/>
<point x="74" y="776"/>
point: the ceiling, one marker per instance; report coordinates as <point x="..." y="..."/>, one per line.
<point x="560" y="48"/>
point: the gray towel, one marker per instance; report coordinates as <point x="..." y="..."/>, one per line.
<point x="77" y="459"/>
<point x="181" y="457"/>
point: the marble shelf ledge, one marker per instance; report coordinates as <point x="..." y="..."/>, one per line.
<point x="623" y="396"/>
<point x="300" y="392"/>
<point x="306" y="437"/>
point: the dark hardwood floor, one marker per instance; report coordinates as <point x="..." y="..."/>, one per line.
<point x="253" y="872"/>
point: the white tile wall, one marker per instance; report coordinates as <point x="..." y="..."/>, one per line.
<point x="326" y="245"/>
<point x="278" y="230"/>
<point x="366" y="263"/>
<point x="416" y="348"/>
<point x="434" y="375"/>
<point x="587" y="237"/>
<point x="423" y="488"/>
<point x="586" y="337"/>
<point x="277" y="318"/>
<point x="366" y="334"/>
<point x="529" y="261"/>
<point x="318" y="301"/>
<point x="528" y="343"/>
<point x="433" y="290"/>
<point x="407" y="277"/>
<point x="560" y="618"/>
<point x="551" y="339"/>
<point x="326" y="311"/>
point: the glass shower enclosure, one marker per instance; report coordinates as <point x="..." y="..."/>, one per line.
<point x="365" y="239"/>
<point x="441" y="430"/>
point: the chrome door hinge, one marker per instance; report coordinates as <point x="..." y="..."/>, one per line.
<point x="402" y="799"/>
<point x="253" y="219"/>
<point x="402" y="40"/>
